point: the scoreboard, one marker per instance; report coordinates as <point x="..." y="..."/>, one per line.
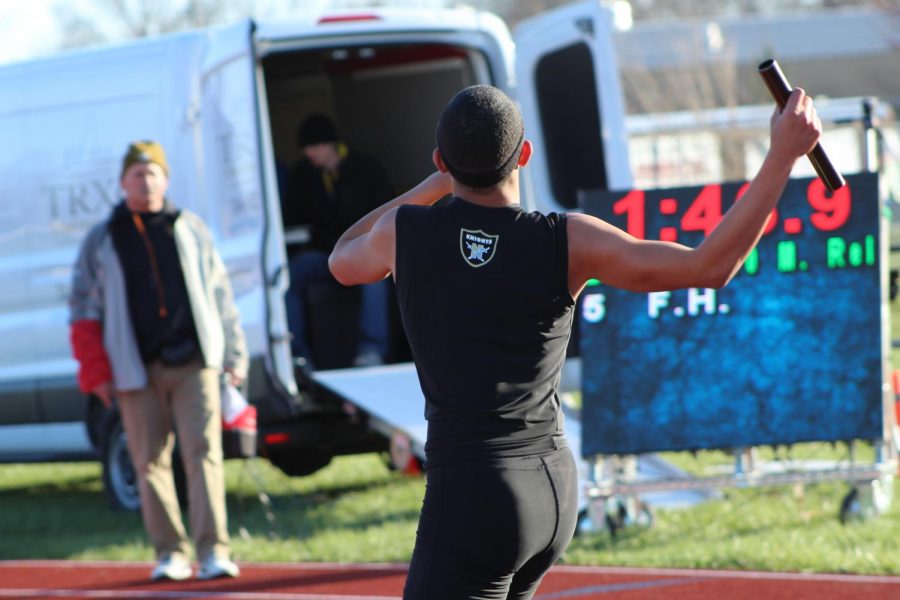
<point x="792" y="349"/>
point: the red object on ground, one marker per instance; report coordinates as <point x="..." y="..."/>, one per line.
<point x="245" y="420"/>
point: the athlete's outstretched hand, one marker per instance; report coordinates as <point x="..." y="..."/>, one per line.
<point x="599" y="250"/>
<point x="796" y="129"/>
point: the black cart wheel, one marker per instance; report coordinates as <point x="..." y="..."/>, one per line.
<point x="867" y="500"/>
<point x="851" y="507"/>
<point x="627" y="513"/>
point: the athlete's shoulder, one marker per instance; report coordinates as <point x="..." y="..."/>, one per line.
<point x="550" y="219"/>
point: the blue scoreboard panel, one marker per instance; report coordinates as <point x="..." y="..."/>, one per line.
<point x="792" y="349"/>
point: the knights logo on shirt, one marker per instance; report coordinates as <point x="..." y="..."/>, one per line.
<point x="477" y="247"/>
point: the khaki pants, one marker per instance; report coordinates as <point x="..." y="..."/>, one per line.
<point x="188" y="397"/>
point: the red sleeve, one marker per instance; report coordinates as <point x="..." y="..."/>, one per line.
<point x="86" y="337"/>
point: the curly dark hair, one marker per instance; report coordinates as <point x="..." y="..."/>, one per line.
<point x="480" y="136"/>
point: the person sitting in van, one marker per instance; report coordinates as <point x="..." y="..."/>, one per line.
<point x="330" y="189"/>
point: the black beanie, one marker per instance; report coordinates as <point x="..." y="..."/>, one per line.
<point x="480" y="136"/>
<point x="316" y="129"/>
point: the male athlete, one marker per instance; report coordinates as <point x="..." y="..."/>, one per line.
<point x="486" y="293"/>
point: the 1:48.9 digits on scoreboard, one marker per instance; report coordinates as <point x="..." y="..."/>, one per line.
<point x="829" y="211"/>
<point x="816" y="235"/>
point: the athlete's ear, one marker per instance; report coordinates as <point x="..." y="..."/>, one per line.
<point x="438" y="160"/>
<point x="525" y="155"/>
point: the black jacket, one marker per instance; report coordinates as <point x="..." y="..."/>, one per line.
<point x="359" y="186"/>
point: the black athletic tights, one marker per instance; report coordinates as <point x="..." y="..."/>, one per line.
<point x="490" y="530"/>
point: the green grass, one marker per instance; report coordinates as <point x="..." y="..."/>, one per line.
<point x="357" y="510"/>
<point x="353" y="510"/>
<point x="773" y="528"/>
<point x="770" y="529"/>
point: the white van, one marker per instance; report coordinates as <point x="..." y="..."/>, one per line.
<point x="226" y="103"/>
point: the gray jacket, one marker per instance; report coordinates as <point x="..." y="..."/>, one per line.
<point x="98" y="294"/>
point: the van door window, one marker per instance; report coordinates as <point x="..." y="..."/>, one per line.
<point x="570" y="121"/>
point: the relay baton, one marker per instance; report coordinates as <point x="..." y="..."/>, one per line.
<point x="781" y="90"/>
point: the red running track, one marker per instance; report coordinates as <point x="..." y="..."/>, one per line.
<point x="82" y="580"/>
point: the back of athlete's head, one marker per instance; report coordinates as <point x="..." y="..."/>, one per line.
<point x="480" y="136"/>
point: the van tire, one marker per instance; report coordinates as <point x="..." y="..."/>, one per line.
<point x="299" y="466"/>
<point x="119" y="478"/>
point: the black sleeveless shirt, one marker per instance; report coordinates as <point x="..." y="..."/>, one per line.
<point x="485" y="303"/>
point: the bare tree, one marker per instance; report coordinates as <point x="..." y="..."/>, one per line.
<point x="514" y="11"/>
<point x="76" y="28"/>
<point x="681" y="9"/>
<point x="139" y="18"/>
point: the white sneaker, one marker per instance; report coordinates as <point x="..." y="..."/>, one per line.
<point x="175" y="568"/>
<point x="217" y="566"/>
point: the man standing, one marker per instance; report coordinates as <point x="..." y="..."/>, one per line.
<point x="486" y="293"/>
<point x="154" y="324"/>
<point x="329" y="190"/>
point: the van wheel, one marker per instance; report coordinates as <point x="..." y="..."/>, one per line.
<point x="119" y="478"/>
<point x="298" y="466"/>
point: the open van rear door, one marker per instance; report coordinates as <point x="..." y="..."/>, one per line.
<point x="241" y="193"/>
<point x="571" y="99"/>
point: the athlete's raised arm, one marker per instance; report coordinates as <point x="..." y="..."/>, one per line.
<point x="365" y="253"/>
<point x="599" y="250"/>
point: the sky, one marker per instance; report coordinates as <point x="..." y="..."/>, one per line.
<point x="28" y="28"/>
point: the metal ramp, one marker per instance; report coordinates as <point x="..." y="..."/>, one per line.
<point x="390" y="395"/>
<point x="392" y="399"/>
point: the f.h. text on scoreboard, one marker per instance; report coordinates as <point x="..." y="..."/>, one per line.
<point x="791" y="350"/>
